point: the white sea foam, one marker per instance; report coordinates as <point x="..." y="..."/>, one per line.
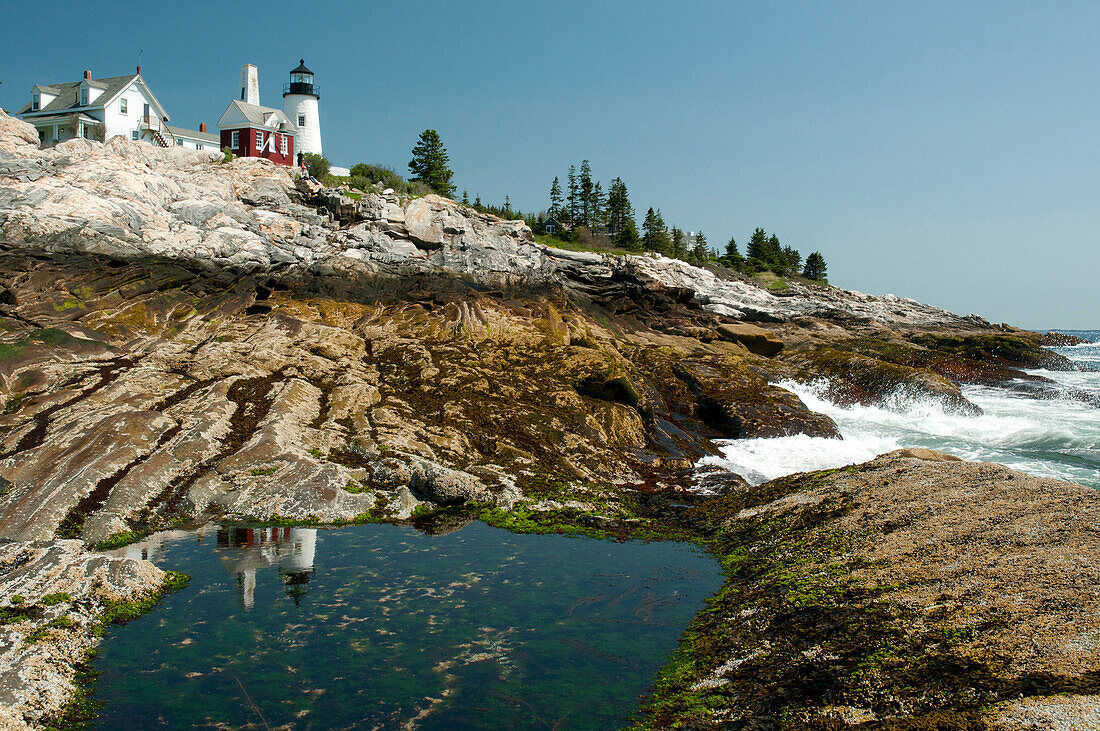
<point x="1057" y="437"/>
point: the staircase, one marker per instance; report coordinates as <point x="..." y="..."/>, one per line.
<point x="157" y="131"/>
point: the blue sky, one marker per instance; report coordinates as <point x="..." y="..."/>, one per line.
<point x="943" y="151"/>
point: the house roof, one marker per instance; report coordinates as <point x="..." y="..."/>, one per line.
<point x="256" y="116"/>
<point x="68" y="98"/>
<point x="194" y="134"/>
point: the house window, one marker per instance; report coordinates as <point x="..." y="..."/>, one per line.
<point x="83" y="97"/>
<point x="133" y="134"/>
<point x="259" y="140"/>
<point x="179" y="142"/>
<point x="234" y="139"/>
<point x="36" y="102"/>
<point x="122" y="106"/>
<point x="301" y="120"/>
<point x="282" y="145"/>
<point x="198" y="146"/>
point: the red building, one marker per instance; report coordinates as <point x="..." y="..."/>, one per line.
<point x="250" y="130"/>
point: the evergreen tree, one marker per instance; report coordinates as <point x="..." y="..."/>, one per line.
<point x="654" y="236"/>
<point x="628" y="237"/>
<point x="573" y="200"/>
<point x="555" y="199"/>
<point x="507" y="210"/>
<point x="465" y="198"/>
<point x="732" y="257"/>
<point x="620" y="215"/>
<point x="815" y="266"/>
<point x="701" y="251"/>
<point x="676" y="247"/>
<point x="792" y="260"/>
<point x="477" y="201"/>
<point x="758" y="246"/>
<point x="430" y="163"/>
<point x="775" y="260"/>
<point x="585" y="193"/>
<point x="599" y="208"/>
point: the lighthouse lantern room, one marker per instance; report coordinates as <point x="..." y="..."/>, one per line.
<point x="300" y="97"/>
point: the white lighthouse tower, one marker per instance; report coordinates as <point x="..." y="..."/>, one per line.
<point x="300" y="98"/>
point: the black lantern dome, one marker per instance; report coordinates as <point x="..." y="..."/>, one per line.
<point x="301" y="82"/>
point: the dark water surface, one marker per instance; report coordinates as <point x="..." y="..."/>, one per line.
<point x="377" y="626"/>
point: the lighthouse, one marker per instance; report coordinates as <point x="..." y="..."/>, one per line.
<point x="300" y="97"/>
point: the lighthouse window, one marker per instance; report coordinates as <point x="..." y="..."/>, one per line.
<point x="301" y="120"/>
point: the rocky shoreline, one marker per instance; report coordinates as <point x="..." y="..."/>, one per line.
<point x="188" y="339"/>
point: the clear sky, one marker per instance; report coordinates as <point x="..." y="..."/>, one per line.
<point x="945" y="151"/>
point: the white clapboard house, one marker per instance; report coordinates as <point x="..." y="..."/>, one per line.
<point x="99" y="109"/>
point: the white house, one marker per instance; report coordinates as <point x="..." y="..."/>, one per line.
<point x="99" y="109"/>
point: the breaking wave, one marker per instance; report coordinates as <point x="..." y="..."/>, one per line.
<point x="1050" y="437"/>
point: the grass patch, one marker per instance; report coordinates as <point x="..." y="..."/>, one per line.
<point x="263" y="471"/>
<point x="118" y="540"/>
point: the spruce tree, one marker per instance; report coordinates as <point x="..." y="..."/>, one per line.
<point x="676" y="246"/>
<point x="758" y="246"/>
<point x="599" y="209"/>
<point x="585" y="193"/>
<point x="430" y="163"/>
<point x="701" y="251"/>
<point x="555" y="199"/>
<point x="792" y="260"/>
<point x="732" y="257"/>
<point x="815" y="266"/>
<point x="573" y="199"/>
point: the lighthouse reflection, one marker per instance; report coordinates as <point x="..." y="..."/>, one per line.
<point x="245" y="550"/>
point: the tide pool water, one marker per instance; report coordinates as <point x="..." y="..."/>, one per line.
<point x="380" y="626"/>
<point x="1057" y="436"/>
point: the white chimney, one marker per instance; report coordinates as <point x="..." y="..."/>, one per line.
<point x="250" y="84"/>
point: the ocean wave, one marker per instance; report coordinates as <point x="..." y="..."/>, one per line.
<point x="1047" y="437"/>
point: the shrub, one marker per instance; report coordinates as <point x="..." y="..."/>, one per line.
<point x="316" y="165"/>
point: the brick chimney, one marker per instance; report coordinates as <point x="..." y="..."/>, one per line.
<point x="87" y="74"/>
<point x="139" y="69"/>
<point x="202" y="126"/>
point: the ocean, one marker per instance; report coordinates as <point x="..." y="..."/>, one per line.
<point x="1055" y="435"/>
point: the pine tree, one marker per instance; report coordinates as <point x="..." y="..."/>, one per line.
<point x="599" y="208"/>
<point x="430" y="163"/>
<point x="477" y="201"/>
<point x="701" y="251"/>
<point x="676" y="248"/>
<point x="758" y="246"/>
<point x="555" y="199"/>
<point x="465" y="198"/>
<point x="815" y="266"/>
<point x="792" y="260"/>
<point x="573" y="200"/>
<point x="776" y="261"/>
<point x="732" y="257"/>
<point x="584" y="191"/>
<point x="620" y="215"/>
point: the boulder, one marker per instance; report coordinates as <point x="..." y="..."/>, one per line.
<point x="755" y="339"/>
